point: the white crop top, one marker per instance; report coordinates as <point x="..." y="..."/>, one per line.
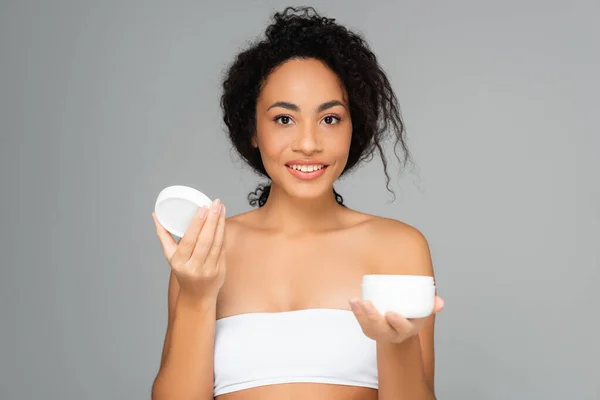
<point x="312" y="345"/>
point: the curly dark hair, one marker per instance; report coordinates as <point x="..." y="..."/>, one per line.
<point x="301" y="33"/>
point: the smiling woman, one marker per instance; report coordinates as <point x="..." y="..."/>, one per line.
<point x="364" y="90"/>
<point x="309" y="129"/>
<point x="302" y="107"/>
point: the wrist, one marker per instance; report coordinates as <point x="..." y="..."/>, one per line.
<point x="196" y="303"/>
<point x="405" y="344"/>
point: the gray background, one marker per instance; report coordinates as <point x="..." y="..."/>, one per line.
<point x="104" y="103"/>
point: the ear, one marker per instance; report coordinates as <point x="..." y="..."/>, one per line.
<point x="254" y="142"/>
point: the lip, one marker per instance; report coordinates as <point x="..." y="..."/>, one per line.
<point x="305" y="162"/>
<point x="305" y="176"/>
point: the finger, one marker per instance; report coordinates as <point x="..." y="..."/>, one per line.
<point x="217" y="245"/>
<point x="188" y="241"/>
<point x="166" y="240"/>
<point x="398" y="322"/>
<point x="222" y="260"/>
<point x="438" y="305"/>
<point x="360" y="315"/>
<point x="371" y="312"/>
<point x="365" y="313"/>
<point x="207" y="235"/>
<point x="355" y="307"/>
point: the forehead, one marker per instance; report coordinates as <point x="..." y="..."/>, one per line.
<point x="299" y="81"/>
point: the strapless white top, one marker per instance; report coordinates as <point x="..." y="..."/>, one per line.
<point x="312" y="345"/>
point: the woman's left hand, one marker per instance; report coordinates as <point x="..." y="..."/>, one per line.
<point x="391" y="327"/>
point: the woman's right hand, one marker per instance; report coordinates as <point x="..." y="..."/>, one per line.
<point x="198" y="260"/>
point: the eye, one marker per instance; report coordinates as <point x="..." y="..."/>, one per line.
<point x="283" y="119"/>
<point x="331" y="120"/>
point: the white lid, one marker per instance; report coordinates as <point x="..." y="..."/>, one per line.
<point x="176" y="206"/>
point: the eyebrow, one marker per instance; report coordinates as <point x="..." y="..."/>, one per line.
<point x="294" y="107"/>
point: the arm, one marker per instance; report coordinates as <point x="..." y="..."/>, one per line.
<point x="406" y="369"/>
<point x="401" y="372"/>
<point x="197" y="275"/>
<point x="186" y="370"/>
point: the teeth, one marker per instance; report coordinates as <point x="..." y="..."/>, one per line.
<point x="306" y="168"/>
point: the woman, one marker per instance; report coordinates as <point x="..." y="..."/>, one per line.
<point x="302" y="107"/>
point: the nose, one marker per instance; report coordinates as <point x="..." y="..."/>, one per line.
<point x="307" y="141"/>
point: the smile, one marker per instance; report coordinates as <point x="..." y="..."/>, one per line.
<point x="306" y="171"/>
<point x="306" y="168"/>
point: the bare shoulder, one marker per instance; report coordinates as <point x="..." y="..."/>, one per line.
<point x="240" y="224"/>
<point x="397" y="247"/>
<point x="244" y="220"/>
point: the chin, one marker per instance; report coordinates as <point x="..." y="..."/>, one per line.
<point x="308" y="190"/>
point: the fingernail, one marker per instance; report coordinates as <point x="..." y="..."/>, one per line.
<point x="202" y="212"/>
<point x="353" y="302"/>
<point x="215" y="206"/>
<point x="223" y="210"/>
<point x="369" y="307"/>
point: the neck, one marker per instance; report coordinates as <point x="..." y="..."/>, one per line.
<point x="295" y="216"/>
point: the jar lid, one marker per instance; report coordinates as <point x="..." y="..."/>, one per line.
<point x="176" y="206"/>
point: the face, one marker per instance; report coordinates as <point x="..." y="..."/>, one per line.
<point x="303" y="128"/>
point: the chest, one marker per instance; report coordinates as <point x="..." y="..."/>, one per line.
<point x="280" y="274"/>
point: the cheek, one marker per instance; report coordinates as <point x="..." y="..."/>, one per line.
<point x="271" y="146"/>
<point x="339" y="146"/>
